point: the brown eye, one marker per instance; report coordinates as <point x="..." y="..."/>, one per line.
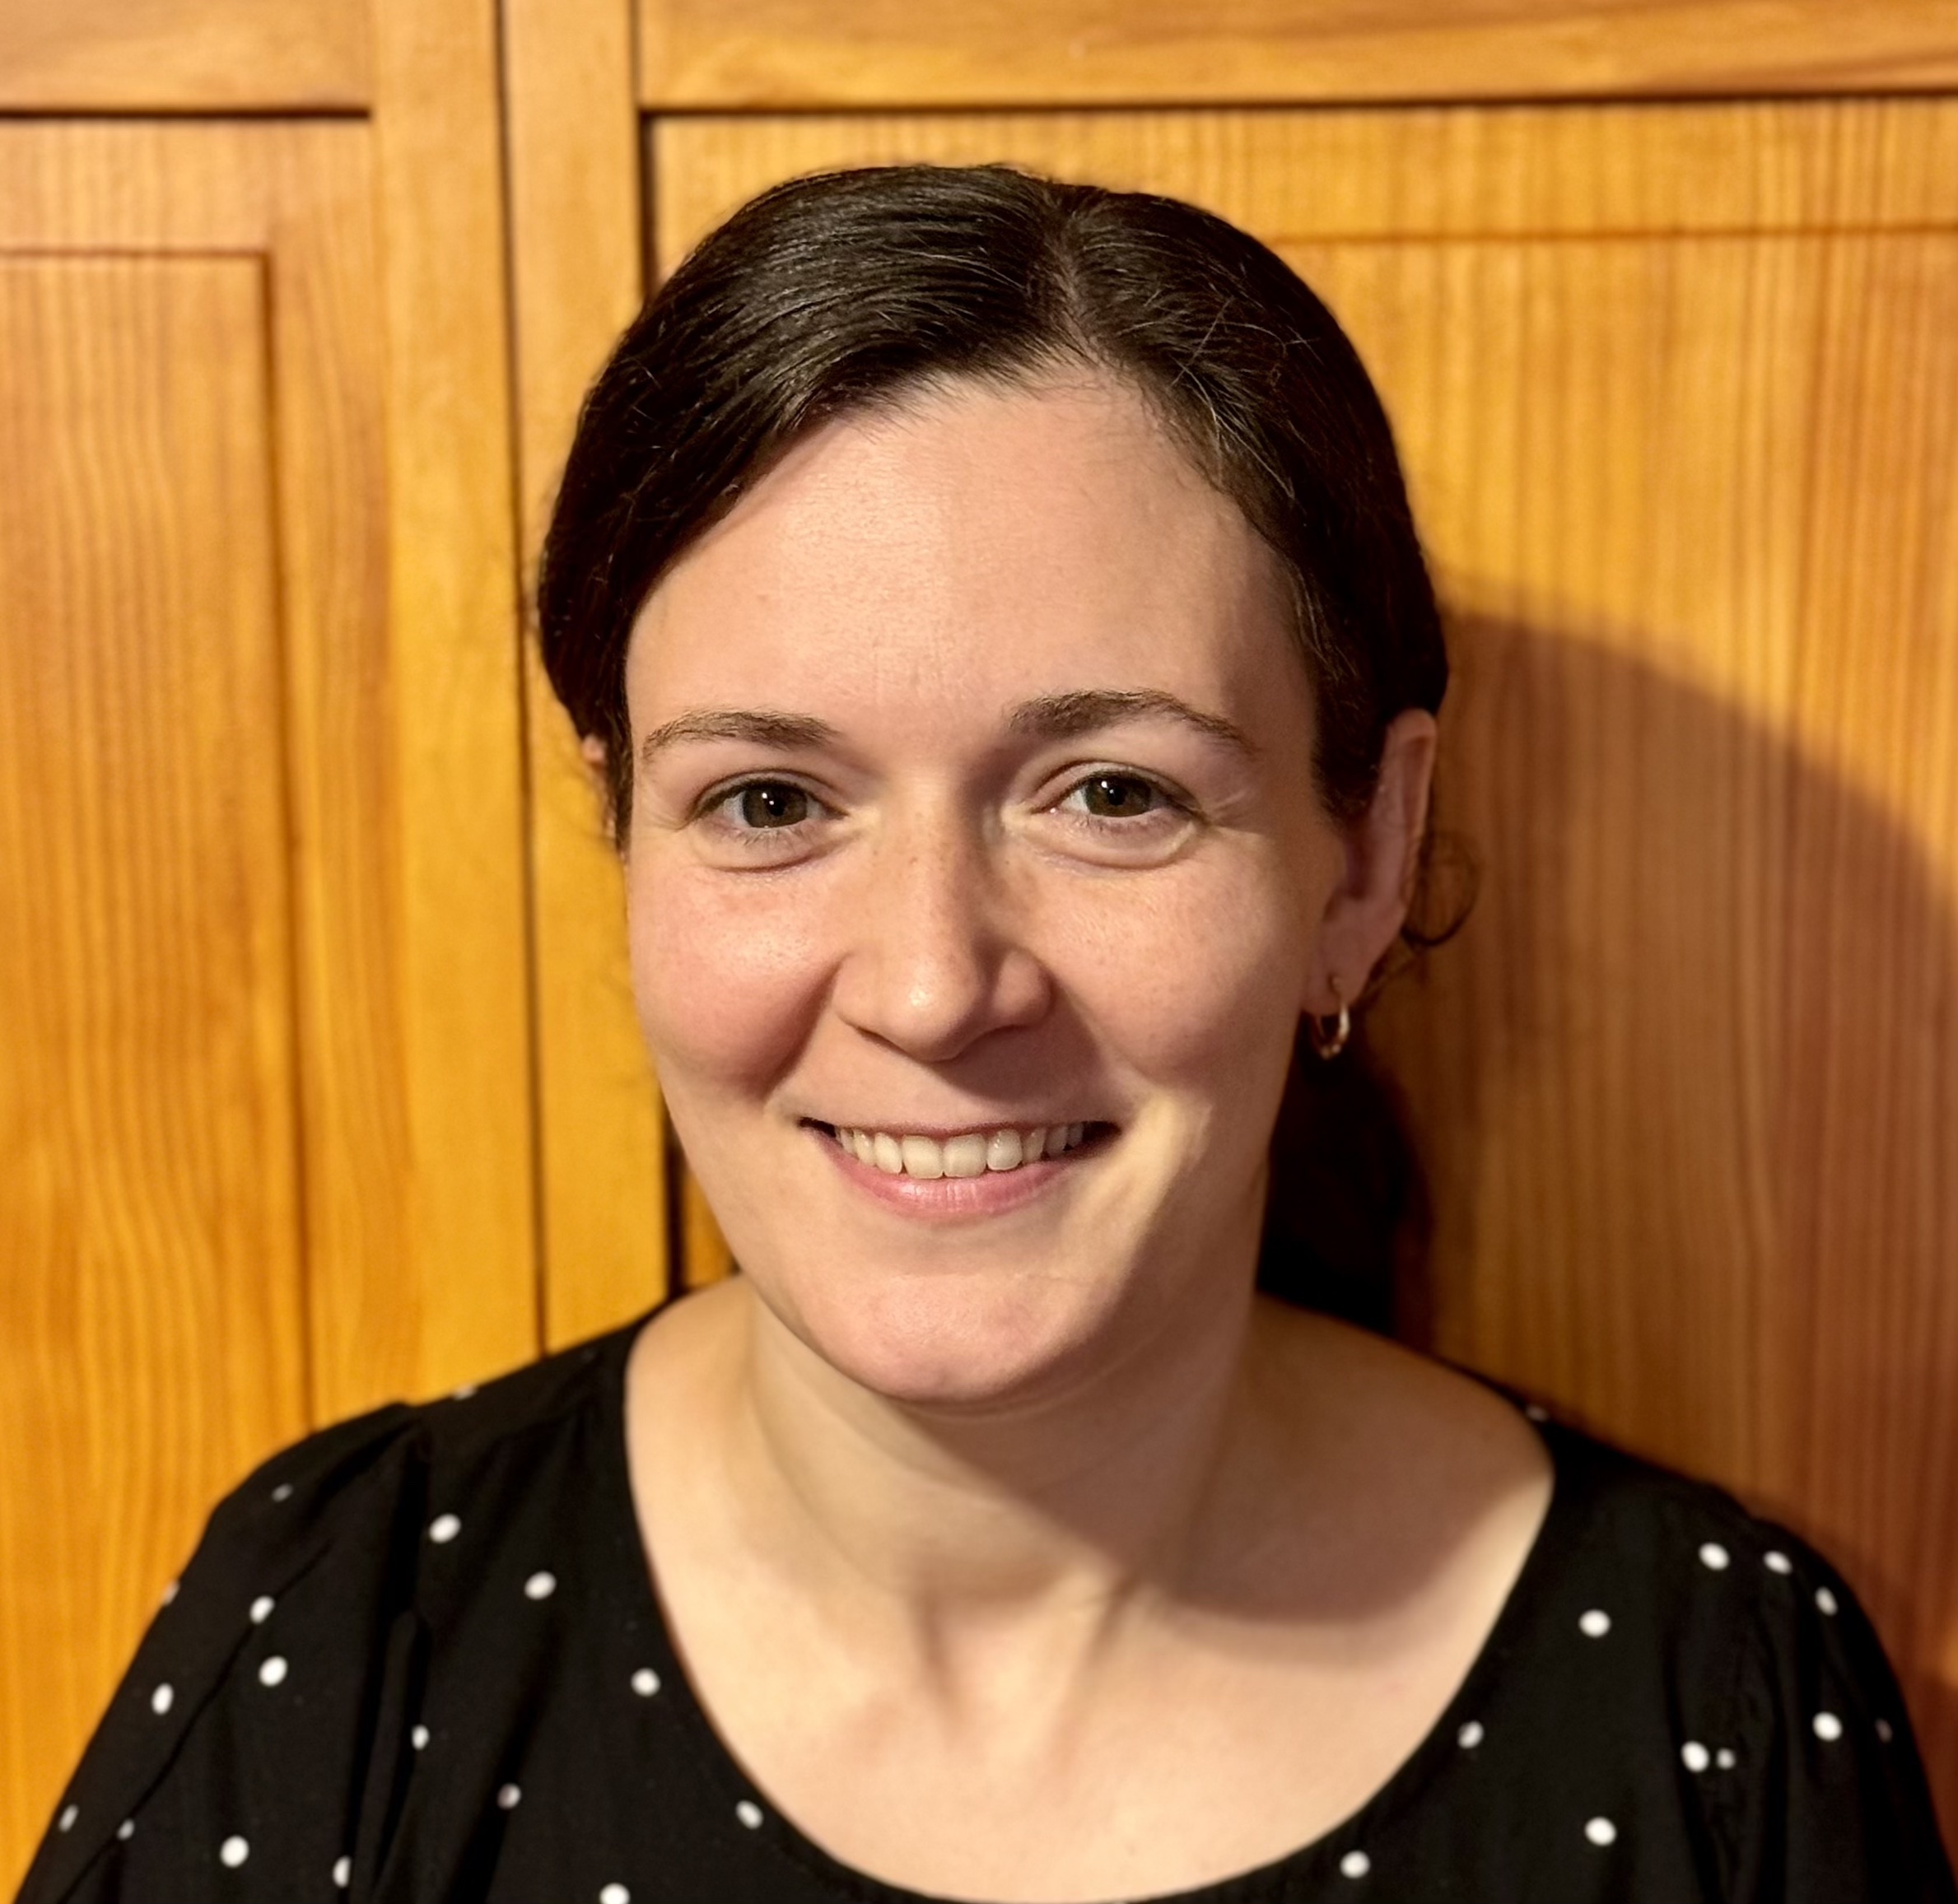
<point x="771" y="803"/>
<point x="1118" y="797"/>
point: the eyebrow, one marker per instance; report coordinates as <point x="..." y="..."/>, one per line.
<point x="1046" y="717"/>
<point x="761" y="726"/>
<point x="1062" y="716"/>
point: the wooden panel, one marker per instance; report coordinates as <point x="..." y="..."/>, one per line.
<point x="151" y="1313"/>
<point x="455" y="662"/>
<point x="356" y="752"/>
<point x="575" y="251"/>
<point x="892" y="53"/>
<point x="1294" y="177"/>
<point x="418" y="1151"/>
<point x="1678" y="390"/>
<point x="182" y="55"/>
<point x="400" y="843"/>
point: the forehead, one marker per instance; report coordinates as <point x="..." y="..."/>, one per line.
<point x="980" y="542"/>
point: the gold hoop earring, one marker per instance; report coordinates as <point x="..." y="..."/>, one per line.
<point x="1329" y="1044"/>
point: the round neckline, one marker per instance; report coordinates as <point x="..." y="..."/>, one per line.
<point x="1432" y="1754"/>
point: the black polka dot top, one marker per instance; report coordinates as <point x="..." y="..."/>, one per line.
<point x="418" y="1658"/>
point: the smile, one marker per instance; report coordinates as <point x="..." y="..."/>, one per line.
<point x="973" y="1153"/>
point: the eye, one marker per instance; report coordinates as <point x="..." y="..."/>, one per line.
<point x="765" y="805"/>
<point x="1118" y="796"/>
<point x="766" y="819"/>
<point x="1112" y="796"/>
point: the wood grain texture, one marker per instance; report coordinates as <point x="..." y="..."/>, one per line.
<point x="1295" y="177"/>
<point x="1678" y="391"/>
<point x="152" y="1312"/>
<point x="407" y="1077"/>
<point x="576" y="248"/>
<point x="300" y="197"/>
<point x="390" y="1313"/>
<point x="456" y="680"/>
<point x="758" y="54"/>
<point x="182" y="55"/>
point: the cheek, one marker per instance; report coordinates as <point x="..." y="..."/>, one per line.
<point x="1195" y="980"/>
<point x="727" y="981"/>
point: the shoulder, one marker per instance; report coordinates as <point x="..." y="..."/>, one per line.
<point x="1693" y="1676"/>
<point x="311" y="1603"/>
<point x="1783" y="1721"/>
<point x="1690" y="1561"/>
<point x="389" y="1482"/>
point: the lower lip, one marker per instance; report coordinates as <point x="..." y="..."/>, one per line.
<point x="949" y="1198"/>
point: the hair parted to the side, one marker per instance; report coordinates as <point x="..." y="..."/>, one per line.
<point x="850" y="290"/>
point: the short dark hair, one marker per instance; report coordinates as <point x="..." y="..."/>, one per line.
<point x="847" y="290"/>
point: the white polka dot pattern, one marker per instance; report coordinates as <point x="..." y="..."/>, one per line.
<point x="283" y="1491"/>
<point x="486" y="1674"/>
<point x="170" y="1592"/>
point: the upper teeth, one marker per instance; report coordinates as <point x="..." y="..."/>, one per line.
<point x="971" y="1154"/>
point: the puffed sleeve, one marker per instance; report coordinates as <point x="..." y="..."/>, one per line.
<point x="246" y="1755"/>
<point x="1839" y="1808"/>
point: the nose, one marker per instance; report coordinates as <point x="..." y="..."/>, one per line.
<point x="935" y="961"/>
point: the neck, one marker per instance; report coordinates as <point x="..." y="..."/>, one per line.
<point x="1077" y="1501"/>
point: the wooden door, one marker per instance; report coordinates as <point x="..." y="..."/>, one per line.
<point x="1677" y="388"/>
<point x="264" y="1110"/>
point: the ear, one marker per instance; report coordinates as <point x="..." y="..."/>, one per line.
<point x="1383" y="848"/>
<point x="593" y="752"/>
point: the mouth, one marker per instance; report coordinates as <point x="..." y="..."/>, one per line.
<point x="991" y="1151"/>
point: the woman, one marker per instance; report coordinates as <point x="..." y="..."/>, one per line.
<point x="992" y="609"/>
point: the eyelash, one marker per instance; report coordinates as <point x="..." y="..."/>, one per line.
<point x="1172" y="802"/>
<point x="714" y="806"/>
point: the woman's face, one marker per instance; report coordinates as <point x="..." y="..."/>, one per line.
<point x="974" y="800"/>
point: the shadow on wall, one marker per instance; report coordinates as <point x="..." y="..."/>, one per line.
<point x="1685" y="1092"/>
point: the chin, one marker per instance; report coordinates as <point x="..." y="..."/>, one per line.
<point x="963" y="1340"/>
